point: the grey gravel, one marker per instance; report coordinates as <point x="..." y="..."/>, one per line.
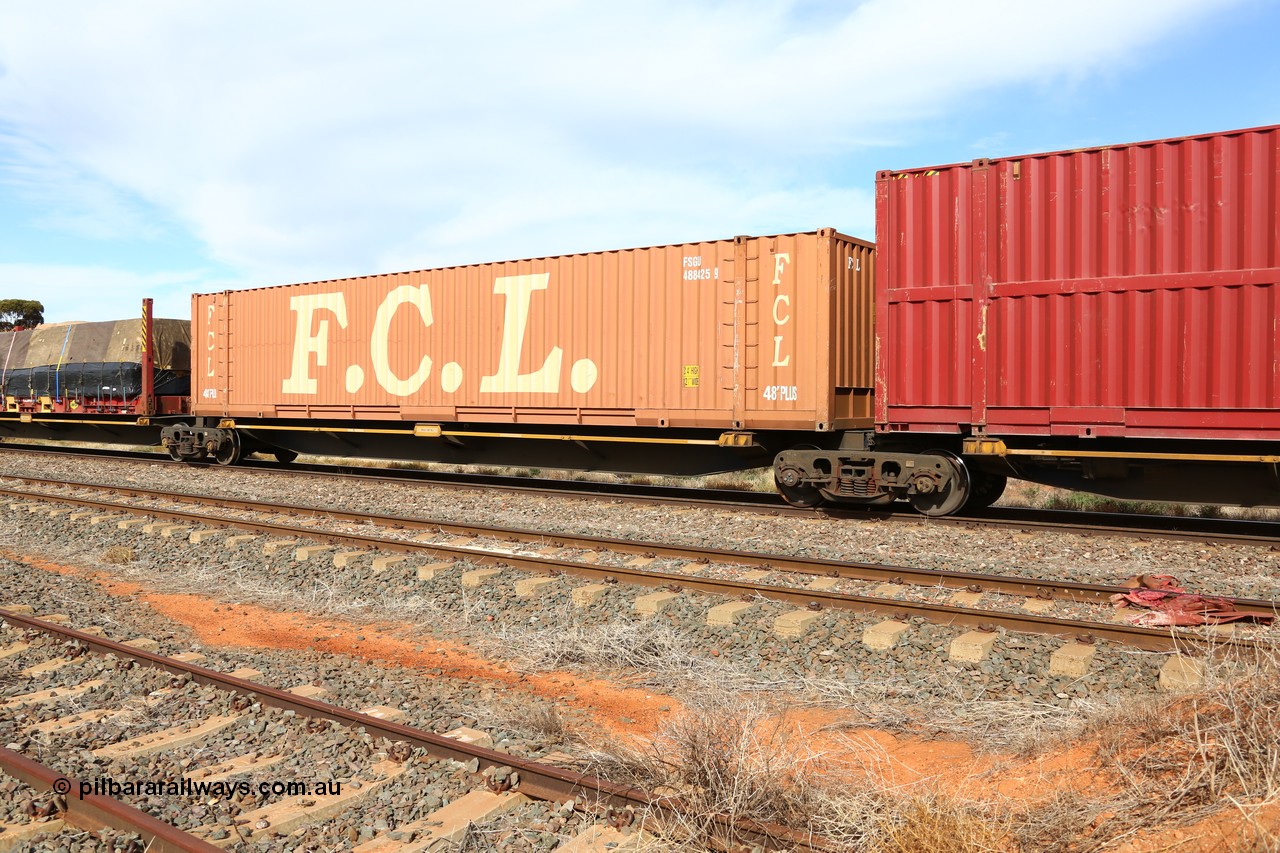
<point x="508" y="625"/>
<point x="669" y="651"/>
<point x="1220" y="569"/>
<point x="147" y="701"/>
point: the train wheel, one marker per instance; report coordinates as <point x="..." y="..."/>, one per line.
<point x="284" y="457"/>
<point x="793" y="490"/>
<point x="868" y="503"/>
<point x="953" y="492"/>
<point x="985" y="489"/>
<point x="230" y="452"/>
<point x="173" y="448"/>
<point x="802" y="496"/>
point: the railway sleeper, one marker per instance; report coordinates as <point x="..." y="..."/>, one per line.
<point x="934" y="482"/>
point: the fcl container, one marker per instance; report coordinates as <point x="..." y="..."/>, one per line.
<point x="753" y="333"/>
<point x="1127" y="290"/>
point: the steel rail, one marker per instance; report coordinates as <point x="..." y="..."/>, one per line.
<point x="849" y="570"/>
<point x="1130" y="635"/>
<point x="1094" y="524"/>
<point x="94" y="811"/>
<point x="1073" y="522"/>
<point x="540" y="781"/>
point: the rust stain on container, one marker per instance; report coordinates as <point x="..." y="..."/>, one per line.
<point x="751" y="333"/>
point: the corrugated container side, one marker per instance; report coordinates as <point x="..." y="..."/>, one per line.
<point x="757" y="332"/>
<point x="1128" y="290"/>
<point x="851" y="347"/>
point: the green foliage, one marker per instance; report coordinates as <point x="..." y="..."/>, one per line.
<point x="20" y="313"/>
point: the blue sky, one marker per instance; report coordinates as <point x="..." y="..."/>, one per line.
<point x="160" y="148"/>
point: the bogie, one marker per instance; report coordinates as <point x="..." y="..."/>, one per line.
<point x="935" y="482"/>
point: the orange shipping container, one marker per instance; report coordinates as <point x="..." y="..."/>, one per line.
<point x="754" y="333"/>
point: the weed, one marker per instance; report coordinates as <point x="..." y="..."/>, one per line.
<point x="722" y="757"/>
<point x="542" y="720"/>
<point x="1180" y="760"/>
<point x="728" y="756"/>
<point x="939" y="824"/>
<point x="118" y="555"/>
<point x="403" y="465"/>
<point x="476" y="838"/>
<point x="663" y="654"/>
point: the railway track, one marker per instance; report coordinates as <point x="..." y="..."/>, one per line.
<point x="201" y="528"/>
<point x="981" y="602"/>
<point x="54" y="814"/>
<point x="1264" y="534"/>
<point x="144" y="719"/>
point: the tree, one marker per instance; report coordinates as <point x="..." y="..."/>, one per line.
<point x="20" y="314"/>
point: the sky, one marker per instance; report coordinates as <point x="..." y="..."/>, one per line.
<point x="159" y="148"/>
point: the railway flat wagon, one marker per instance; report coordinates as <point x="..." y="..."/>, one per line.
<point x="108" y="382"/>
<point x="677" y="359"/>
<point x="1103" y="319"/>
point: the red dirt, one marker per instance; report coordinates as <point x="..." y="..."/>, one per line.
<point x="247" y="626"/>
<point x="943" y="765"/>
<point x="1229" y="830"/>
<point x="947" y="765"/>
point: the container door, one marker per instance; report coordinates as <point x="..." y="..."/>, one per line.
<point x="211" y="369"/>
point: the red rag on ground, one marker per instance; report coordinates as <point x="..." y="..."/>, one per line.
<point x="1184" y="610"/>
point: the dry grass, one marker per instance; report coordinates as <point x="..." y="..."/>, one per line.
<point x="1020" y="727"/>
<point x="722" y="757"/>
<point x="118" y="555"/>
<point x="654" y="651"/>
<point x="732" y="757"/>
<point x="96" y="445"/>
<point x="751" y="479"/>
<point x="1261" y="836"/>
<point x="936" y="822"/>
<point x="1218" y="745"/>
<point x="1036" y="496"/>
<point x="480" y="837"/>
<point x="538" y="719"/>
<point x="247" y="582"/>
<point x="1173" y="762"/>
<point x="1065" y="821"/>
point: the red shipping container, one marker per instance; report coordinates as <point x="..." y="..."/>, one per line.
<point x="1126" y="290"/>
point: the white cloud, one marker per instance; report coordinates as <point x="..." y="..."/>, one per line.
<point x="68" y="199"/>
<point x="302" y="140"/>
<point x="71" y="292"/>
